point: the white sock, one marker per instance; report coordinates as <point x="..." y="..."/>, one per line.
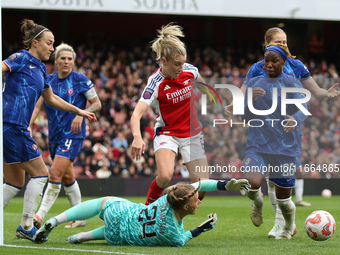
<point x="61" y="218"/>
<point x="85" y="236"/>
<point x="51" y="193"/>
<point x="288" y="211"/>
<point x="272" y="197"/>
<point x="255" y="195"/>
<point x="9" y="191"/>
<point x="299" y="189"/>
<point x="32" y="198"/>
<point x="73" y="193"/>
<point x="271" y="194"/>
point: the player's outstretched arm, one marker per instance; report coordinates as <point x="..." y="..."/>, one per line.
<point x="207" y="225"/>
<point x="241" y="185"/>
<point x="57" y="102"/>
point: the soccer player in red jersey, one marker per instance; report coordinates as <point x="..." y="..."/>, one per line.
<point x="177" y="129"/>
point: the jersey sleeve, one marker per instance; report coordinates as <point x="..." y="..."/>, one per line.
<point x="46" y="79"/>
<point x="14" y="61"/>
<point x="304" y="73"/>
<point x="190" y="68"/>
<point x="86" y="87"/>
<point x="187" y="236"/>
<point x="206" y="185"/>
<point x="150" y="92"/>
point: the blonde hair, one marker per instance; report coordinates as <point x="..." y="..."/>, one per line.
<point x="284" y="47"/>
<point x="167" y="42"/>
<point x="64" y="47"/>
<point x="268" y="36"/>
<point x="179" y="194"/>
<point x="31" y="31"/>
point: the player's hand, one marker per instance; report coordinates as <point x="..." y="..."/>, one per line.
<point x="228" y="110"/>
<point x="207" y="225"/>
<point x="88" y="115"/>
<point x="210" y="223"/>
<point x="241" y="185"/>
<point x="137" y="148"/>
<point x="30" y="129"/>
<point x="290" y="124"/>
<point x="258" y="92"/>
<point x="76" y="124"/>
<point x="332" y="92"/>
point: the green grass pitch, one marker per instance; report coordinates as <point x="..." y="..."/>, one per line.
<point x="234" y="232"/>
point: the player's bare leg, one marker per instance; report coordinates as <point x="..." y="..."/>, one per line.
<point x="196" y="175"/>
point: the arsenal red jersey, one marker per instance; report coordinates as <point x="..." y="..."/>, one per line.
<point x="175" y="101"/>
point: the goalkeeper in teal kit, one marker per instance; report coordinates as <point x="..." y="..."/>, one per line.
<point x="157" y="224"/>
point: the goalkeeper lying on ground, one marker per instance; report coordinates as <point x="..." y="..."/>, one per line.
<point x="157" y="224"/>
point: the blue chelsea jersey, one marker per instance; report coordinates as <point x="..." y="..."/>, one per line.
<point x="24" y="84"/>
<point x="71" y="89"/>
<point x="271" y="137"/>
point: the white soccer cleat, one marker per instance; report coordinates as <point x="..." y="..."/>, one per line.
<point x="75" y="224"/>
<point x="256" y="214"/>
<point x="276" y="230"/>
<point x="287" y="233"/>
<point x="41" y="235"/>
<point x="302" y="203"/>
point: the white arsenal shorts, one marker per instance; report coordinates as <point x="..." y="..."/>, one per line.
<point x="191" y="148"/>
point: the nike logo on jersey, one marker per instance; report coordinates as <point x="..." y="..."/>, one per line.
<point x="63" y="150"/>
<point x="186" y="82"/>
<point x="167" y="87"/>
<point x="32" y="67"/>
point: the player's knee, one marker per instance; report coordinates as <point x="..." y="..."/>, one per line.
<point x="56" y="174"/>
<point x="67" y="179"/>
<point x="255" y="183"/>
<point x="164" y="178"/>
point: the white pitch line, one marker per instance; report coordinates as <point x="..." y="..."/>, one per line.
<point x="65" y="249"/>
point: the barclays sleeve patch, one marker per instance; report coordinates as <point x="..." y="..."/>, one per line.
<point x="147" y="93"/>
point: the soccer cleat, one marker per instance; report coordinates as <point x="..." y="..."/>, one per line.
<point x="302" y="203"/>
<point x="287" y="233"/>
<point x="276" y="230"/>
<point x="256" y="214"/>
<point x="37" y="221"/>
<point x="26" y="234"/>
<point x="43" y="232"/>
<point x="73" y="239"/>
<point x="77" y="223"/>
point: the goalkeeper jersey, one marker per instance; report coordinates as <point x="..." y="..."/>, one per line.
<point x="128" y="223"/>
<point x="141" y="225"/>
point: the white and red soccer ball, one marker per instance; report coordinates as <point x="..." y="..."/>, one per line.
<point x="320" y="225"/>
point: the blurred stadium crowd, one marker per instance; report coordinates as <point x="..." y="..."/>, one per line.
<point x="120" y="75"/>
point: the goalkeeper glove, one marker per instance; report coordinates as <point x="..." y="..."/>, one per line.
<point x="209" y="224"/>
<point x="241" y="185"/>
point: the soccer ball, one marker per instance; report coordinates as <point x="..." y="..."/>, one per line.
<point x="326" y="193"/>
<point x="320" y="225"/>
